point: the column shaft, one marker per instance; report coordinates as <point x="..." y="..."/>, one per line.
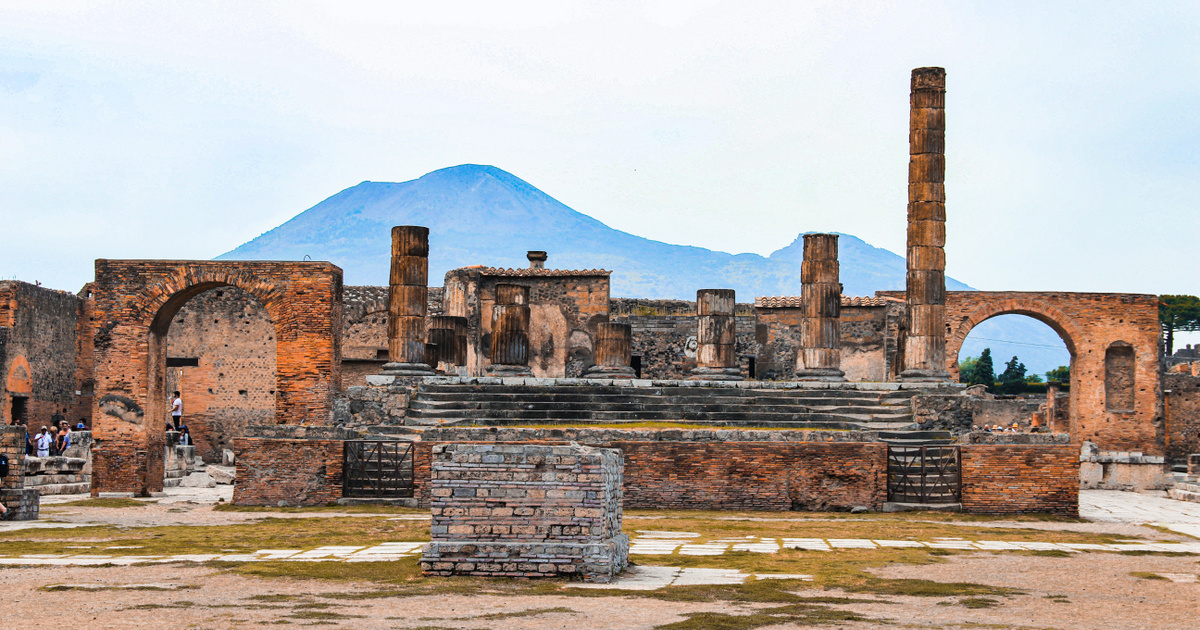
<point x="820" y="355"/>
<point x="716" y="332"/>
<point x="925" y="344"/>
<point x="407" y="297"/>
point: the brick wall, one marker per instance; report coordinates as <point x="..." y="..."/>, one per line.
<point x="729" y="475"/>
<point x="1182" y="412"/>
<point x="1089" y="324"/>
<point x="1020" y="478"/>
<point x="228" y="332"/>
<point x="525" y="510"/>
<point x="134" y="302"/>
<point x="23" y="502"/>
<point x="286" y="471"/>
<point x="38" y="347"/>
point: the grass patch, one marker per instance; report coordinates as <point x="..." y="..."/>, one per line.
<point x="102" y="503"/>
<point x="321" y="615"/>
<point x="279" y="597"/>
<point x="1146" y="575"/>
<point x="1164" y="554"/>
<point x="1050" y="553"/>
<point x="978" y="602"/>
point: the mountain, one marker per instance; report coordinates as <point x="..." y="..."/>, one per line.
<point x="484" y="215"/>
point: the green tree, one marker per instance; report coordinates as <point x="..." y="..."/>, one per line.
<point x="1033" y="378"/>
<point x="1060" y="375"/>
<point x="979" y="371"/>
<point x="966" y="368"/>
<point x="1178" y="312"/>
<point x="1012" y="379"/>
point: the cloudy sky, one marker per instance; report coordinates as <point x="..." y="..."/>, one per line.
<point x="181" y="130"/>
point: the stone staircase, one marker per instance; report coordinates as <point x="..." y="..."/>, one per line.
<point x="584" y="404"/>
<point x="1187" y="486"/>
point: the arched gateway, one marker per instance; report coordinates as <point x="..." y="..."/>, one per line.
<point x="1116" y="395"/>
<point x="134" y="303"/>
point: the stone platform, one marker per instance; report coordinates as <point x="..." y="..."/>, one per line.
<point x="526" y="510"/>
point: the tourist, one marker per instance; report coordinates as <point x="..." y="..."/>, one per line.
<point x="177" y="410"/>
<point x="28" y="441"/>
<point x="81" y="426"/>
<point x="185" y="438"/>
<point x="5" y="514"/>
<point x="63" y="441"/>
<point x="43" y="441"/>
<point x="54" y="452"/>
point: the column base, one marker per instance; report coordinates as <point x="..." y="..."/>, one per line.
<point x="508" y="370"/>
<point x="609" y="371"/>
<point x="407" y="369"/>
<point x="927" y="376"/>
<point x="716" y="374"/>
<point x="820" y="374"/>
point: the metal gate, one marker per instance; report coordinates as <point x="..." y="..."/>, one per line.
<point x="377" y="469"/>
<point x="924" y="474"/>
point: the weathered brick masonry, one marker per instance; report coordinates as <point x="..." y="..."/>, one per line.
<point x="39" y="375"/>
<point x="21" y="501"/>
<point x="288" y="471"/>
<point x="1020" y="479"/>
<point x="1113" y="338"/>
<point x="716" y="470"/>
<point x="134" y="303"/>
<point x="525" y="510"/>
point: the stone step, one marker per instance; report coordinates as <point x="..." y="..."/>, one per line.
<point x="467" y="409"/>
<point x="78" y="487"/>
<point x="667" y="414"/>
<point x="835" y="424"/>
<point x="1181" y="494"/>
<point x="627" y="394"/>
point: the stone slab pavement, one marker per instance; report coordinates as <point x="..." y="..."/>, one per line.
<point x="1140" y="508"/>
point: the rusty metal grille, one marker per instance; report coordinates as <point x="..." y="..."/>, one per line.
<point x="377" y="469"/>
<point x="924" y="474"/>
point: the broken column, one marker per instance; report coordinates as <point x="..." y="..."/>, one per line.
<point x="525" y="510"/>
<point x="715" y="336"/>
<point x="407" y="295"/>
<point x="925" y="344"/>
<point x="450" y="336"/>
<point x="510" y="331"/>
<point x="820" y="355"/>
<point x="537" y="259"/>
<point x="614" y="349"/>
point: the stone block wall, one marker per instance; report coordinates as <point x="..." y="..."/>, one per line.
<point x="664" y="335"/>
<point x="525" y="510"/>
<point x="276" y="471"/>
<point x="1020" y="479"/>
<point x="24" y="503"/>
<point x="868" y="326"/>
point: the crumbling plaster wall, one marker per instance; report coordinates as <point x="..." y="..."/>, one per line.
<point x="564" y="308"/>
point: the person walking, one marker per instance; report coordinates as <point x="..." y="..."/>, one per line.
<point x="177" y="410"/>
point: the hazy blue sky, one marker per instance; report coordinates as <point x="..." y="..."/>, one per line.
<point x="159" y="130"/>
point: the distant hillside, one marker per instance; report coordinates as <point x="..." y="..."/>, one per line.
<point x="484" y="215"/>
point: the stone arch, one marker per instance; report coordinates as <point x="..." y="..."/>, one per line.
<point x="134" y="304"/>
<point x="1060" y="322"/>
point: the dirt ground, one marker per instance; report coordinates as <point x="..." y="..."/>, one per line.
<point x="1087" y="590"/>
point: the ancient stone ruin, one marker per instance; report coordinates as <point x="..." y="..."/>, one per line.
<point x="525" y="510"/>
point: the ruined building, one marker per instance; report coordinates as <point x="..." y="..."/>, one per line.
<point x="255" y="345"/>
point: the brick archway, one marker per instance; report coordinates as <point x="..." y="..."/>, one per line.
<point x="1046" y="313"/>
<point x="135" y="302"/>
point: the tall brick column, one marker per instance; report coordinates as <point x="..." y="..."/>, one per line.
<point x="614" y="350"/>
<point x="715" y="335"/>
<point x="408" y="289"/>
<point x="510" y="331"/>
<point x="925" y="345"/>
<point x="820" y="357"/>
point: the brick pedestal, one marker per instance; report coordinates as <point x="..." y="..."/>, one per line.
<point x="526" y="510"/>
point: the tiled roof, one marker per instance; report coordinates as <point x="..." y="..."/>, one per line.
<point x="497" y="271"/>
<point x="795" y="301"/>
